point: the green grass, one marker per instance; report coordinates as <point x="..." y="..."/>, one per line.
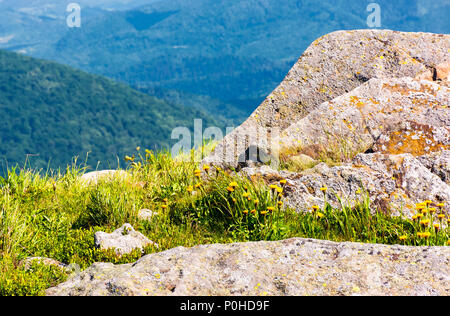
<point x="56" y="215"/>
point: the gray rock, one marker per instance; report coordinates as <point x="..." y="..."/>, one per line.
<point x="394" y="183"/>
<point x="104" y="175"/>
<point x="26" y="263"/>
<point x="332" y="66"/>
<point x="146" y="215"/>
<point x="290" y="267"/>
<point x="124" y="240"/>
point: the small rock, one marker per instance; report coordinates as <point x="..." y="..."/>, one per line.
<point x="302" y="162"/>
<point x="146" y="215"/>
<point x="95" y="176"/>
<point x="124" y="240"/>
<point x="26" y="263"/>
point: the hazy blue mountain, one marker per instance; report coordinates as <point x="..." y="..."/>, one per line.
<point x="54" y="113"/>
<point x="234" y="52"/>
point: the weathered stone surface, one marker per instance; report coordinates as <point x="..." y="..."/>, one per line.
<point x="332" y="66"/>
<point x="109" y="175"/>
<point x="392" y="116"/>
<point x="394" y="183"/>
<point x="124" y="240"/>
<point x="290" y="267"/>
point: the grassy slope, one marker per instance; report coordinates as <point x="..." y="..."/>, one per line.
<point x="57" y="215"/>
<point x="57" y="113"/>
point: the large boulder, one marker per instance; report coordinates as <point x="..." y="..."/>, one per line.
<point x="332" y="66"/>
<point x="290" y="267"/>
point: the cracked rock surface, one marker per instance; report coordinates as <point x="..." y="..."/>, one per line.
<point x="290" y="267"/>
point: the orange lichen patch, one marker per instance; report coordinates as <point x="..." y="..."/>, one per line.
<point x="417" y="141"/>
<point x="405" y="90"/>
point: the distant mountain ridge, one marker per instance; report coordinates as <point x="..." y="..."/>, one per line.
<point x="235" y="52"/>
<point x="55" y="113"/>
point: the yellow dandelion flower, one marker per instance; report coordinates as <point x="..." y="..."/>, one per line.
<point x="280" y="190"/>
<point x="284" y="181"/>
<point x="230" y="189"/>
<point x="437" y="226"/>
<point x="233" y="184"/>
<point x="198" y="185"/>
<point x="280" y="203"/>
<point x="256" y="201"/>
<point x="441" y="216"/>
<point x="404" y="237"/>
<point x="324" y="189"/>
<point x="448" y="243"/>
<point x="273" y="186"/>
<point x="197" y="171"/>
<point x="165" y="200"/>
<point x="253" y="211"/>
<point x="428" y="202"/>
<point x="358" y="191"/>
<point x="432" y="210"/>
<point x="425" y="222"/>
<point x="264" y="212"/>
<point x="316" y="207"/>
<point x="190" y="188"/>
<point x="245" y="212"/>
<point x="271" y="209"/>
<point x="246" y="194"/>
<point x="206" y="167"/>
<point x="163" y="206"/>
<point x="440" y="205"/>
<point x="320" y="215"/>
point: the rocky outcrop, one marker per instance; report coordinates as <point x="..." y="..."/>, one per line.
<point x="332" y="66"/>
<point x="289" y="267"/>
<point x="373" y="105"/>
<point x="123" y="240"/>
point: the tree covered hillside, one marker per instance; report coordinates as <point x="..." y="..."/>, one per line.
<point x="55" y="113"/>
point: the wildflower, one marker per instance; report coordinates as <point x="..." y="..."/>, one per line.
<point x="138" y="148"/>
<point x="440" y="205"/>
<point x="206" y="168"/>
<point x="432" y="210"/>
<point x="428" y="202"/>
<point x="402" y="238"/>
<point x="280" y="190"/>
<point x="245" y="212"/>
<point x="437" y="226"/>
<point x="324" y="189"/>
<point x="230" y="189"/>
<point x="358" y="191"/>
<point x="234" y="200"/>
<point x="165" y="200"/>
<point x="271" y="209"/>
<point x="414" y="217"/>
<point x="190" y="188"/>
<point x="426" y="235"/>
<point x="441" y="216"/>
<point x="198" y="185"/>
<point x="448" y="243"/>
<point x="256" y="201"/>
<point x="148" y="151"/>
<point x="280" y="203"/>
<point x="273" y="186"/>
<point x="253" y="211"/>
<point x="128" y="158"/>
<point x="197" y="171"/>
<point x="320" y="215"/>
<point x="283" y="182"/>
<point x="233" y="184"/>
<point x="163" y="206"/>
<point x="420" y="215"/>
<point x="246" y="194"/>
<point x="264" y="212"/>
<point x="425" y="222"/>
<point x="420" y="207"/>
<point x="316" y="207"/>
